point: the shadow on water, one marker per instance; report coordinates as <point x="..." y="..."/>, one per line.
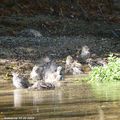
<point x="71" y="101"/>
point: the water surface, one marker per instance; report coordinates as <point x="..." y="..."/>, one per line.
<point x="73" y="101"/>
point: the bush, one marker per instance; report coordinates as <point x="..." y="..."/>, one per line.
<point x="111" y="72"/>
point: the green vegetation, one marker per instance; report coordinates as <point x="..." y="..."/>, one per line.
<point x="111" y="72"/>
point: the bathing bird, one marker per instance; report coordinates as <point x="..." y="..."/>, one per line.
<point x="72" y="66"/>
<point x="19" y="81"/>
<point x="76" y="68"/>
<point x="42" y="85"/>
<point x="39" y="71"/>
<point x="52" y="77"/>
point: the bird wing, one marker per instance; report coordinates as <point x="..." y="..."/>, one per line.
<point x="24" y="82"/>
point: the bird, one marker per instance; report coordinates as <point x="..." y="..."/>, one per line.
<point x="72" y="66"/>
<point x="96" y="62"/>
<point x="51" y="66"/>
<point x="52" y="77"/>
<point x="19" y="81"/>
<point x="69" y="60"/>
<point x="59" y="72"/>
<point x="37" y="73"/>
<point x="101" y="62"/>
<point x="85" y="53"/>
<point x="42" y="85"/>
<point x="68" y="64"/>
<point x="76" y="68"/>
<point x="77" y="71"/>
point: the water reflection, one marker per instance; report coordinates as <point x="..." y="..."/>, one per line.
<point x="45" y="97"/>
<point x="22" y="97"/>
<point x="101" y="113"/>
<point x="68" y="94"/>
<point x="70" y="102"/>
<point x="19" y="97"/>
